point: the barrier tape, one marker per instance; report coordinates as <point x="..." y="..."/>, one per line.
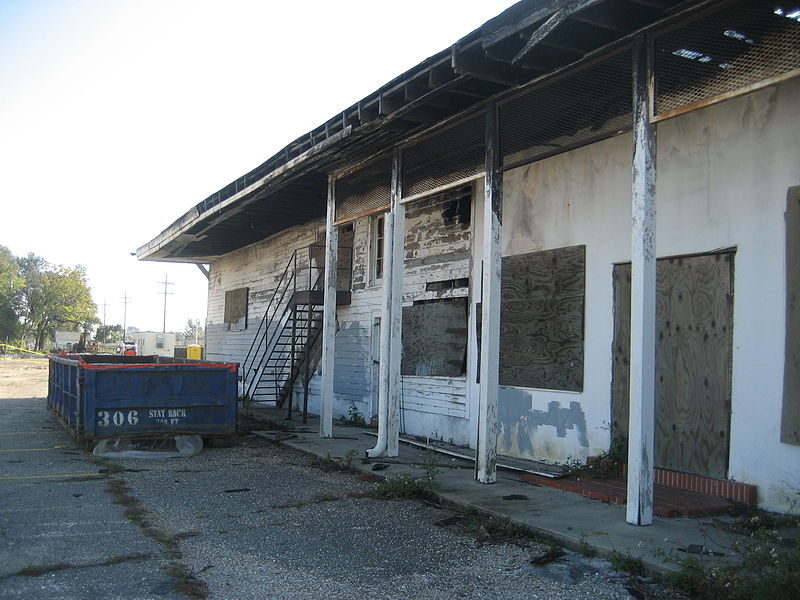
<point x="23" y="349"/>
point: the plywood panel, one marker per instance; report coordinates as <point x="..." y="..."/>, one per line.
<point x="236" y="308"/>
<point x="435" y="338"/>
<point x="541" y="319"/>
<point x="694" y="313"/>
<point x="790" y="417"/>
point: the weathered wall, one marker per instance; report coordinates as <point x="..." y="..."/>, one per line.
<point x="723" y="173"/>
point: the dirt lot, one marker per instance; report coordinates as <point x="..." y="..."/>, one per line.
<point x="23" y="378"/>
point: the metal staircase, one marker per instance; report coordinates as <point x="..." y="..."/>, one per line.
<point x="287" y="344"/>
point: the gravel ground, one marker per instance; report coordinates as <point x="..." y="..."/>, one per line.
<point x="252" y="521"/>
<point x="262" y="521"/>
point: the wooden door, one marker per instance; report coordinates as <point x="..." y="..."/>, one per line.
<point x="694" y="320"/>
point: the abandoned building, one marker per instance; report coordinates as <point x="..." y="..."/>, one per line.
<point x="579" y="223"/>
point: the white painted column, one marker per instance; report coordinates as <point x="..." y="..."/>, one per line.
<point x="389" y="382"/>
<point x="395" y="317"/>
<point x="641" y="425"/>
<point x="329" y="315"/>
<point x="486" y="460"/>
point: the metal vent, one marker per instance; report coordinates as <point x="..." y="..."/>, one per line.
<point x="578" y="108"/>
<point x="452" y="154"/>
<point x="738" y="46"/>
<point x="369" y="189"/>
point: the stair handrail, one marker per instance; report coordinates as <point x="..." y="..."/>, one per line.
<point x="266" y="320"/>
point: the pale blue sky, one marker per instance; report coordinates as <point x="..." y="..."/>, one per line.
<point x="117" y="116"/>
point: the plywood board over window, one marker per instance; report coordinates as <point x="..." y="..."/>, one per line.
<point x="235" y="315"/>
<point x="694" y="321"/>
<point x="541" y="319"/>
<point x="435" y="338"/>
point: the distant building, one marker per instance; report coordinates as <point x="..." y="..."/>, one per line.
<point x="151" y="342"/>
<point x="66" y="339"/>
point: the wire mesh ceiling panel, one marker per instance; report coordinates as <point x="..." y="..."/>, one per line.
<point x="450" y="155"/>
<point x="740" y="45"/>
<point x="583" y="106"/>
<point x="366" y="190"/>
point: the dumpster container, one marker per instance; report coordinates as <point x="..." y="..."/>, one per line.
<point x="102" y="396"/>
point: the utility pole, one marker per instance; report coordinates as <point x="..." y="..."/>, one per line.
<point x="125" y="300"/>
<point x="166" y="293"/>
<point x="104" y="305"/>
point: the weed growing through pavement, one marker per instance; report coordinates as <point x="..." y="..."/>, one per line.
<point x="586" y="548"/>
<point x="627" y="563"/>
<point x="402" y="487"/>
<point x="354" y="417"/>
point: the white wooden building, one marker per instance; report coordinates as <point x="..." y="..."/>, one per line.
<point x="580" y="221"/>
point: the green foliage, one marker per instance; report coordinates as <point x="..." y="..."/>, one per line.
<point x="765" y="570"/>
<point x="108" y="334"/>
<point x="604" y="465"/>
<point x="627" y="563"/>
<point x="402" y="487"/>
<point x="354" y="417"/>
<point x="50" y="297"/>
<point x="10" y="285"/>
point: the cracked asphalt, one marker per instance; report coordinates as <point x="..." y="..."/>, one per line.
<point x="252" y="521"/>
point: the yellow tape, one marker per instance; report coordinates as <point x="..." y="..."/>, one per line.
<point x="23" y="349"/>
<point x="36" y="449"/>
<point x="54" y="476"/>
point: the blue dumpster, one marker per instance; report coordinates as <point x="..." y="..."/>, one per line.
<point x="102" y="396"/>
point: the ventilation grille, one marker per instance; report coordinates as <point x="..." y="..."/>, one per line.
<point x="738" y="46"/>
<point x="448" y="156"/>
<point x="576" y="109"/>
<point x="367" y="190"/>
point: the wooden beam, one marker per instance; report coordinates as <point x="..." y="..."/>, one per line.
<point x="329" y="315"/>
<point x="483" y="68"/>
<point x="203" y="270"/>
<point x="516" y="23"/>
<point x="641" y="419"/>
<point x="554" y="21"/>
<point x="486" y="460"/>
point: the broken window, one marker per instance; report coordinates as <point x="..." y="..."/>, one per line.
<point x="435" y="338"/>
<point x="541" y="319"/>
<point x="378" y="225"/>
<point x="236" y="309"/>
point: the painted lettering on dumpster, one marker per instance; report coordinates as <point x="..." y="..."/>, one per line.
<point x="167" y="416"/>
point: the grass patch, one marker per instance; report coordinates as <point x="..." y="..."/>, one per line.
<point x="315" y="499"/>
<point x="627" y="563"/>
<point x="250" y="422"/>
<point x="184" y="582"/>
<point x="402" y="487"/>
<point x="37" y="570"/>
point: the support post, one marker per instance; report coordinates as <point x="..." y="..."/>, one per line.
<point x="385" y="368"/>
<point x="329" y="315"/>
<point x="641" y="425"/>
<point x="395" y="322"/>
<point x="486" y="463"/>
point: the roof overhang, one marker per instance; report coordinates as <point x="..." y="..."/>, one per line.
<point x="529" y="41"/>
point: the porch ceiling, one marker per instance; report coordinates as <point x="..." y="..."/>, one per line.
<point x="528" y="41"/>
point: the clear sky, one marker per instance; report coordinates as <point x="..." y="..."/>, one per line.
<point x="118" y="116"/>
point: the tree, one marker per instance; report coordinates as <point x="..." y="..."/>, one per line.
<point x="53" y="296"/>
<point x="109" y="334"/>
<point x="10" y="285"/>
<point x="194" y="331"/>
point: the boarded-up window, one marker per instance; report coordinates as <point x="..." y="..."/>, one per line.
<point x="541" y="319"/>
<point x="236" y="309"/>
<point x="435" y="338"/>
